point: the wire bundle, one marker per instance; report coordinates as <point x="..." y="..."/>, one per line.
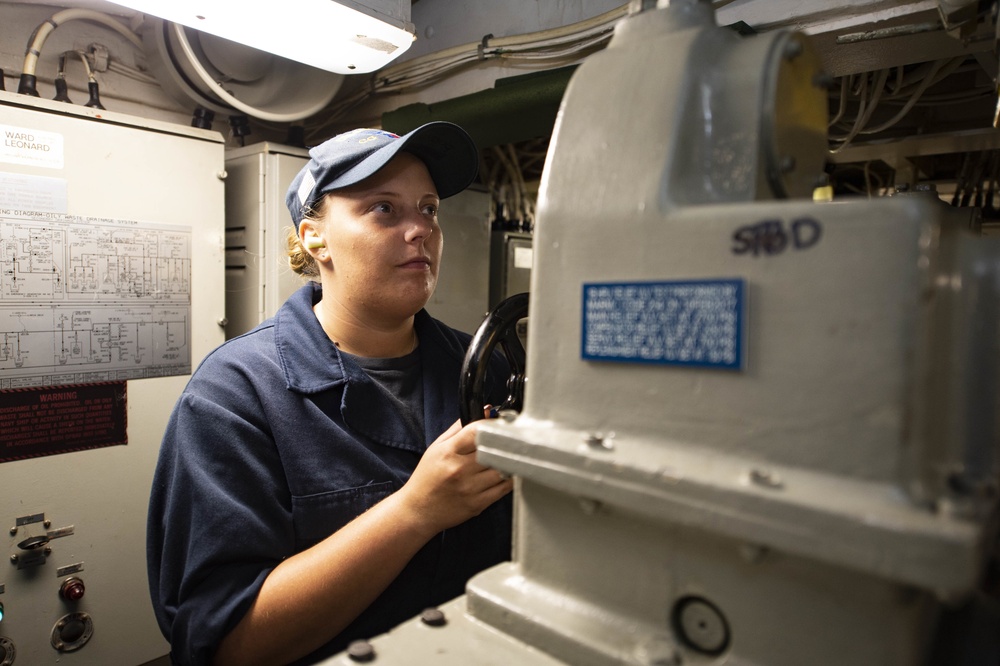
<point x="977" y="182"/>
<point x="504" y="174"/>
<point x="903" y="88"/>
<point x="536" y="48"/>
<point x="27" y="83"/>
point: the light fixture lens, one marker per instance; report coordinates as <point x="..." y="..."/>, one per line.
<point x="320" y="33"/>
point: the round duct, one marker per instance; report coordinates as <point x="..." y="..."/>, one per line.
<point x="229" y="78"/>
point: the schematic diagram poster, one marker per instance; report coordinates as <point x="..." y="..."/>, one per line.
<point x="87" y="300"/>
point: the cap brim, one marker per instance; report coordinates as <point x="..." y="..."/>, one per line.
<point x="445" y="148"/>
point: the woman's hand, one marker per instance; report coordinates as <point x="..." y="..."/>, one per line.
<point x="448" y="486"/>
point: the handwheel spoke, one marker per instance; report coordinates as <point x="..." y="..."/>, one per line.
<point x="513" y="350"/>
<point x="499" y="328"/>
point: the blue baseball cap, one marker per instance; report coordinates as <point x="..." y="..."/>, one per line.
<point x="445" y="148"/>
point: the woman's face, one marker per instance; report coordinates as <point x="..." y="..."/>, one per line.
<point x="383" y="243"/>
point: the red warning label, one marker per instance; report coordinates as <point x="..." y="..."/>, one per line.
<point x="47" y="421"/>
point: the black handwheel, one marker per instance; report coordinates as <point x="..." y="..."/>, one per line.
<point x="499" y="328"/>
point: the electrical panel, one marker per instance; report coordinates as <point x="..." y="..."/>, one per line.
<point x="511" y="256"/>
<point x="111" y="292"/>
<point x="258" y="279"/>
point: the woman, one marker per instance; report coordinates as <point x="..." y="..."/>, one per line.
<point x="314" y="486"/>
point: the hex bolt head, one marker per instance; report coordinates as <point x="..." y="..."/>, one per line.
<point x="823" y="81"/>
<point x="589" y="506"/>
<point x="658" y="652"/>
<point x="766" y="479"/>
<point x="752" y="552"/>
<point x="361" y="651"/>
<point x="792" y="50"/>
<point x="433" y="617"/>
<point x="599" y="440"/>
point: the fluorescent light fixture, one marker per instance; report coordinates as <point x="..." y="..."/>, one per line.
<point x="321" y="33"/>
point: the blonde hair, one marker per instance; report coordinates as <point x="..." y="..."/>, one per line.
<point x="299" y="259"/>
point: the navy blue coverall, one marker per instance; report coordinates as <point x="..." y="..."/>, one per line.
<point x="277" y="442"/>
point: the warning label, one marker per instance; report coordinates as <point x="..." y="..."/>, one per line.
<point x="47" y="421"/>
<point x="698" y="323"/>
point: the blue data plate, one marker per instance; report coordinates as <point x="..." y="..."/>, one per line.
<point x="692" y="322"/>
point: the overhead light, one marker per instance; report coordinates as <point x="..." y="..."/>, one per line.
<point x="323" y="33"/>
